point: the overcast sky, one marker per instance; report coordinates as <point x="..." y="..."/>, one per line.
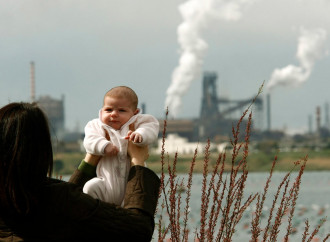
<point x="82" y="48"/>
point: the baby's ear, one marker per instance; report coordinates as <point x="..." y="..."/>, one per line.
<point x="137" y="111"/>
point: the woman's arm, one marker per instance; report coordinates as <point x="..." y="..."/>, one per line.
<point x="86" y="170"/>
<point x="135" y="221"/>
<point x="138" y="154"/>
<point x="92" y="160"/>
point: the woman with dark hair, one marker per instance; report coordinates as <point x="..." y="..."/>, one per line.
<point x="36" y="207"/>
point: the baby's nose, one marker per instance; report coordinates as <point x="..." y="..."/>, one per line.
<point x="114" y="113"/>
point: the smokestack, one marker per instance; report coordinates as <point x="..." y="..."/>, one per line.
<point x="32" y="79"/>
<point x="318" y="119"/>
<point x="310" y="124"/>
<point x="327" y="120"/>
<point x="268" y="112"/>
<point x="143" y="108"/>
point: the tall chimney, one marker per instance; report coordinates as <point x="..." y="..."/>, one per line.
<point x="327" y="120"/>
<point x="143" y="108"/>
<point x="310" y="124"/>
<point x="268" y="112"/>
<point x="32" y="79"/>
<point x="318" y="119"/>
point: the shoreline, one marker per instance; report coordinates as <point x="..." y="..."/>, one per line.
<point x="66" y="162"/>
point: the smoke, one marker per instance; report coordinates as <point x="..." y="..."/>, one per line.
<point x="197" y="15"/>
<point x="311" y="47"/>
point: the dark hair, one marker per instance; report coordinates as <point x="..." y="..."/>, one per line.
<point x="26" y="155"/>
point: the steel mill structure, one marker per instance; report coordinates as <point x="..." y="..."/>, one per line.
<point x="217" y="115"/>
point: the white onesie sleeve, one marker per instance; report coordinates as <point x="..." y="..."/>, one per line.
<point x="148" y="126"/>
<point x="95" y="141"/>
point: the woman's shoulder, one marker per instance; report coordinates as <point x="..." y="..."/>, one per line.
<point x="58" y="189"/>
<point x="67" y="198"/>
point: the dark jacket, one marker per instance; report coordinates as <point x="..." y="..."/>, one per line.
<point x="65" y="213"/>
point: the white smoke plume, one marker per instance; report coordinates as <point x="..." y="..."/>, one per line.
<point x="311" y="47"/>
<point x="197" y="16"/>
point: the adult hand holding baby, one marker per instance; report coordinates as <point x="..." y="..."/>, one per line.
<point x="133" y="136"/>
<point x="138" y="154"/>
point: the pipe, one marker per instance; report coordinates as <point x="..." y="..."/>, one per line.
<point x="268" y="113"/>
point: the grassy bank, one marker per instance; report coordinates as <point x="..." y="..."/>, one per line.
<point x="66" y="163"/>
<point x="257" y="162"/>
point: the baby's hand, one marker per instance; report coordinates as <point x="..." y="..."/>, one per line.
<point x="111" y="150"/>
<point x="134" y="137"/>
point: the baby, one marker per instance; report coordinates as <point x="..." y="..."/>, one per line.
<point x="119" y="111"/>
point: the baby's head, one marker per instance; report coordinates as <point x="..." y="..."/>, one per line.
<point x="119" y="105"/>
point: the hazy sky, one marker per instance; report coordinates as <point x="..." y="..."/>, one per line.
<point x="82" y="48"/>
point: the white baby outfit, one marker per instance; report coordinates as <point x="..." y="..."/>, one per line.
<point x="112" y="172"/>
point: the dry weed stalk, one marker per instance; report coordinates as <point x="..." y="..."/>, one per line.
<point x="222" y="198"/>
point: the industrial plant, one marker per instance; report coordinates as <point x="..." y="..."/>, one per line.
<point x="53" y="108"/>
<point x="217" y="115"/>
<point x="215" y="122"/>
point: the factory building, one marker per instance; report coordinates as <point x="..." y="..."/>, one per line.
<point x="217" y="115"/>
<point x="53" y="108"/>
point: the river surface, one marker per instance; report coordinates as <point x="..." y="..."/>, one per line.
<point x="313" y="204"/>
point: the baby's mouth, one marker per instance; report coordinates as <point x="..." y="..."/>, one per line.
<point x="114" y="121"/>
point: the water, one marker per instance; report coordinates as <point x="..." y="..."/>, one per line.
<point x="313" y="203"/>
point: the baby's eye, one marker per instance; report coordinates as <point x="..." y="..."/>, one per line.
<point x="122" y="110"/>
<point x="108" y="110"/>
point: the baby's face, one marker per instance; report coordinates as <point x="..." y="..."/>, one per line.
<point x="117" y="111"/>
